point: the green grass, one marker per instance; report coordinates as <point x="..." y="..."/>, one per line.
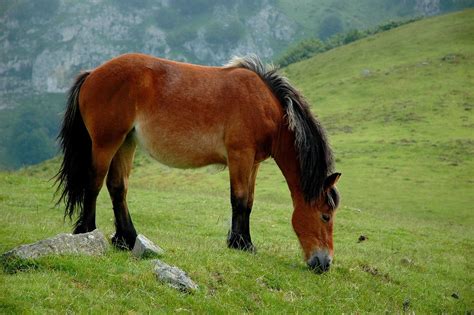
<point x="404" y="143"/>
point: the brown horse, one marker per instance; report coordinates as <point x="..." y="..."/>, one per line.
<point x="189" y="116"/>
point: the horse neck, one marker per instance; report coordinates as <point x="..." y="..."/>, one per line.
<point x="286" y="157"/>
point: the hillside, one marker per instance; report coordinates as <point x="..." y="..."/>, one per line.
<point x="45" y="43"/>
<point x="402" y="104"/>
<point x="398" y="109"/>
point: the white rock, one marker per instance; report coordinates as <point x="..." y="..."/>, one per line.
<point x="144" y="248"/>
<point x="173" y="276"/>
<point x="93" y="243"/>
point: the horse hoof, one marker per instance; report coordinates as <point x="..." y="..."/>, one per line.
<point x="240" y="243"/>
<point x="80" y="229"/>
<point x="123" y="242"/>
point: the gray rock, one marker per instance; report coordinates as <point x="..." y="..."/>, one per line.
<point x="92" y="243"/>
<point x="173" y="276"/>
<point x="144" y="248"/>
<point x="366" y="73"/>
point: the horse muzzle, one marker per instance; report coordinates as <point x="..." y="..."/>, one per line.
<point x="320" y="261"/>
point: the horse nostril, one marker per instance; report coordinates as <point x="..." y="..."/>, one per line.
<point x="314" y="264"/>
<point x="319" y="262"/>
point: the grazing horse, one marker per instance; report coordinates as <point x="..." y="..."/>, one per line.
<point x="189" y="116"/>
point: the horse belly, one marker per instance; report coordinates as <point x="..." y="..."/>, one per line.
<point x="181" y="146"/>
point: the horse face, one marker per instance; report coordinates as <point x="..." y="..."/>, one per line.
<point x="313" y="224"/>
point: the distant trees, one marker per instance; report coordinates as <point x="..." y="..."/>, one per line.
<point x="31" y="146"/>
<point x="309" y="47"/>
<point x="303" y="50"/>
<point x="28" y="132"/>
<point x="329" y="26"/>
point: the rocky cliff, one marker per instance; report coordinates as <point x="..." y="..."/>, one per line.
<point x="44" y="51"/>
<point x="44" y="43"/>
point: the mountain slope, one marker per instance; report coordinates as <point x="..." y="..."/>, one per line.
<point x="45" y="43"/>
<point x="402" y="102"/>
<point x="398" y="109"/>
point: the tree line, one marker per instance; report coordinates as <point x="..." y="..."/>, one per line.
<point x="308" y="48"/>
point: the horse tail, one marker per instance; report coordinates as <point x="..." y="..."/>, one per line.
<point x="72" y="178"/>
<point x="314" y="153"/>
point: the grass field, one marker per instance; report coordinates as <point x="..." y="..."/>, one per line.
<point x="398" y="109"/>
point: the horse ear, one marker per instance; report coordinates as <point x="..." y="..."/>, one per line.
<point x="331" y="180"/>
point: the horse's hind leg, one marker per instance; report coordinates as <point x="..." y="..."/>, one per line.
<point x="242" y="178"/>
<point x="101" y="158"/>
<point x="117" y="184"/>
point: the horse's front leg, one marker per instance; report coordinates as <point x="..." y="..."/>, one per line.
<point x="242" y="178"/>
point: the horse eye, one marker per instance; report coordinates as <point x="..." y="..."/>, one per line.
<point x="325" y="217"/>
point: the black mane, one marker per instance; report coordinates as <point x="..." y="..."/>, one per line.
<point x="314" y="154"/>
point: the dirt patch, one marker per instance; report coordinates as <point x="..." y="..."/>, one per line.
<point x="452" y="58"/>
<point x="374" y="271"/>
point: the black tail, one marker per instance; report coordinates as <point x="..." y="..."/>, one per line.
<point x="73" y="176"/>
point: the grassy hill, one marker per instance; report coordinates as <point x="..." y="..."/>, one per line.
<point x="398" y="109"/>
<point x="45" y="43"/>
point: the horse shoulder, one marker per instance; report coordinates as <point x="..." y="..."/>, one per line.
<point x="257" y="113"/>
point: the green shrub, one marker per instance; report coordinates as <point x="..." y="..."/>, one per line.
<point x="352" y="36"/>
<point x="302" y="50"/>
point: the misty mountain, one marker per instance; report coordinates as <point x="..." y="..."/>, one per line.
<point x="46" y="42"/>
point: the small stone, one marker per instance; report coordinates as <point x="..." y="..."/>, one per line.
<point x="173" y="276"/>
<point x="144" y="248"/>
<point x="92" y="243"/>
<point x="455" y="295"/>
<point x="362" y="238"/>
<point x="365" y="72"/>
